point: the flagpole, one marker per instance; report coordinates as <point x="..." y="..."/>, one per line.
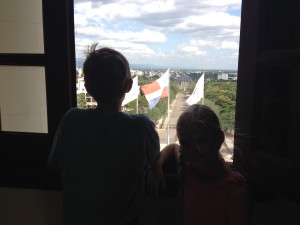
<point x="169" y="108"/>
<point x="137" y="105"/>
<point x="203" y="87"/>
<point x="137" y="99"/>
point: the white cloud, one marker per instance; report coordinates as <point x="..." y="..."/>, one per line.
<point x="215" y="44"/>
<point x="80" y="20"/>
<point x="144" y="36"/>
<point x="111" y="11"/>
<point x="235" y="55"/>
<point x="127" y="48"/>
<point x="186" y="28"/>
<point x="158" y="6"/>
<point x="215" y="3"/>
<point x="210" y="19"/>
<point x="229" y="45"/>
<point x="191" y="50"/>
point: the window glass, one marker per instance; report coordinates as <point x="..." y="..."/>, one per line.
<point x="23" y="105"/>
<point x="193" y="38"/>
<point x="21" y="26"/>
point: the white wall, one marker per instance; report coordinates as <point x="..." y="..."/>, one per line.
<point x="22" y="89"/>
<point x="23" y="104"/>
<point x="21" y="26"/>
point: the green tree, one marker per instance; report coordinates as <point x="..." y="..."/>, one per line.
<point x="227" y="121"/>
<point x="154" y="114"/>
<point x="81" y="102"/>
<point x="222" y="101"/>
<point x="223" y="95"/>
<point x="213" y="106"/>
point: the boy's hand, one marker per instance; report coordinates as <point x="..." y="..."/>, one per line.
<point x="156" y="180"/>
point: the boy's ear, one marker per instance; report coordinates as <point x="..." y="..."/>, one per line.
<point x="128" y="85"/>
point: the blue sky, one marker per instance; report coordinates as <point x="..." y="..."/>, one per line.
<point x="197" y="34"/>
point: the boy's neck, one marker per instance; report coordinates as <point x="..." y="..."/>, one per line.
<point x="109" y="107"/>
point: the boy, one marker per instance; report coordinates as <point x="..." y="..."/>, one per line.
<point x="102" y="153"/>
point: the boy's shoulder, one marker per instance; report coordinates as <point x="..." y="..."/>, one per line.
<point x="75" y="110"/>
<point x="143" y="122"/>
<point x="142" y="118"/>
<point x="78" y="114"/>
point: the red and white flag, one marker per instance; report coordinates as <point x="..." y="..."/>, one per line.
<point x="157" y="89"/>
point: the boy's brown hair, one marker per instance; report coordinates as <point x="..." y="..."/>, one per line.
<point x="106" y="73"/>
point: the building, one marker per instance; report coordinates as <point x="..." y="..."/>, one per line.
<point x="223" y="76"/>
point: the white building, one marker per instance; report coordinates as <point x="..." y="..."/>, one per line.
<point x="223" y="76"/>
<point x="80" y="89"/>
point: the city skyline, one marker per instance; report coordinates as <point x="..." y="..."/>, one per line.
<point x="196" y="34"/>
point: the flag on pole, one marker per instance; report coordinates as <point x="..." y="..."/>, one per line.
<point x="198" y="92"/>
<point x="133" y="93"/>
<point x="157" y="89"/>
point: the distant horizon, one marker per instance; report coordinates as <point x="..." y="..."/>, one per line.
<point x="134" y="66"/>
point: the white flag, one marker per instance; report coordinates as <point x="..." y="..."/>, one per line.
<point x="198" y="92"/>
<point x="133" y="93"/>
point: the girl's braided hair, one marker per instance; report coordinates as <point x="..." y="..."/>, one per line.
<point x="200" y="122"/>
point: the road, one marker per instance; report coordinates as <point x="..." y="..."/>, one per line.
<point x="176" y="108"/>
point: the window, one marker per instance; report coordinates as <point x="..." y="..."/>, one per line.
<point x="189" y="37"/>
<point x="22" y="33"/>
<point x="25" y="109"/>
<point x="37" y="86"/>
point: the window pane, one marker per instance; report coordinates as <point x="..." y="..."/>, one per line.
<point x="189" y="37"/>
<point x="23" y="99"/>
<point x="21" y="26"/>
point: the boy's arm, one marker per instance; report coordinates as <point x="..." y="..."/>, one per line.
<point x="152" y="145"/>
<point x="53" y="163"/>
<point x="53" y="156"/>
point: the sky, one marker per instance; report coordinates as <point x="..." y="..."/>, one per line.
<point x="190" y="34"/>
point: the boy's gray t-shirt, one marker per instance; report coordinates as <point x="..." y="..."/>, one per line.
<point x="102" y="158"/>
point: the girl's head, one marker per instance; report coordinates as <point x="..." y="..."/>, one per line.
<point x="199" y="133"/>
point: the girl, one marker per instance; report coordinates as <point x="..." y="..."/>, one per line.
<point x="211" y="193"/>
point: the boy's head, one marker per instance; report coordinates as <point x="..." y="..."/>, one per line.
<point x="106" y="74"/>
